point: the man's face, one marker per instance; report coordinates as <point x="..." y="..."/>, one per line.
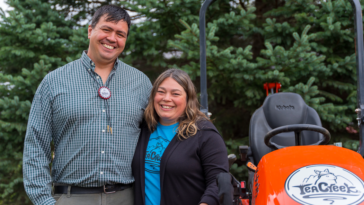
<point x="107" y="40"/>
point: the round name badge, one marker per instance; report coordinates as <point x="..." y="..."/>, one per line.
<point x="104" y="92"/>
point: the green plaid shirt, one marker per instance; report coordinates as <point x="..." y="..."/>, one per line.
<point x="68" y="110"/>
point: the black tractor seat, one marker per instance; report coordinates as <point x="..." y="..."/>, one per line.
<point x="278" y="110"/>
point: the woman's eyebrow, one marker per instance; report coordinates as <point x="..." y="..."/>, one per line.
<point x="173" y="90"/>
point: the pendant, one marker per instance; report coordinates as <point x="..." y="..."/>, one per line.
<point x="104" y="92"/>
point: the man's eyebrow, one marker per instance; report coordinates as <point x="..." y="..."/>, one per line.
<point x="123" y="32"/>
<point x="108" y="27"/>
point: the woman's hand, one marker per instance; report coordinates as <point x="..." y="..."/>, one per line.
<point x="203" y="204"/>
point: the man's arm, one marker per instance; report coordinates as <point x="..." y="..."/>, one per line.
<point x="37" y="149"/>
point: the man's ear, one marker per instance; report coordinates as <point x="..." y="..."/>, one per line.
<point x="89" y="30"/>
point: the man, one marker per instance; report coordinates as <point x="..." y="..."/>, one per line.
<point x="91" y="108"/>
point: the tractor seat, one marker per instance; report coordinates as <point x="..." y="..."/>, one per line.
<point x="278" y="110"/>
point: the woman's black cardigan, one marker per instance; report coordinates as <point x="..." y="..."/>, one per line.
<point x="188" y="168"/>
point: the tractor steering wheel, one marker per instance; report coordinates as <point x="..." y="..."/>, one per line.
<point x="297" y="129"/>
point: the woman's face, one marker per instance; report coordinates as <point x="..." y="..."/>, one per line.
<point x="170" y="101"/>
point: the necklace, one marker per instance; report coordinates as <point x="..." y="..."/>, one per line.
<point x="104" y="93"/>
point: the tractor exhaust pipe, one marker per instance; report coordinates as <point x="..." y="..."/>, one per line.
<point x="203" y="83"/>
<point x="359" y="51"/>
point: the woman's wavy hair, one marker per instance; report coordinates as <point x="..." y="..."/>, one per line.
<point x="188" y="120"/>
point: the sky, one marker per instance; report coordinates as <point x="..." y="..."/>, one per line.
<point x="6" y="7"/>
<point x="3" y="5"/>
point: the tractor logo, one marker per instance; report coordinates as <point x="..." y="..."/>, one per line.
<point x="284" y="107"/>
<point x="325" y="184"/>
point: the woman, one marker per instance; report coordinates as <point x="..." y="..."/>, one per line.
<point x="179" y="152"/>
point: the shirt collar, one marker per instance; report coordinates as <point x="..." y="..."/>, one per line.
<point x="89" y="64"/>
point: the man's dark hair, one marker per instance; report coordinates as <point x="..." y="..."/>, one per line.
<point x="113" y="14"/>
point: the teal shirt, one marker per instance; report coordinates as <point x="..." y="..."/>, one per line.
<point x="158" y="142"/>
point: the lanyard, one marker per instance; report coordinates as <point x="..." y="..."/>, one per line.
<point x="104" y="93"/>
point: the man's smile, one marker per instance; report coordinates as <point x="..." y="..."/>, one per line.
<point x="108" y="46"/>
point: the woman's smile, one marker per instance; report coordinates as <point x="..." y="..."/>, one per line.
<point x="167" y="107"/>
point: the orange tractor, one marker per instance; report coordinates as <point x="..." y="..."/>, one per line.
<point x="288" y="158"/>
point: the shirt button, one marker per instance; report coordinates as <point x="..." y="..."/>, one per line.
<point x="103" y="130"/>
<point x="101" y="172"/>
<point x="102" y="152"/>
<point x="92" y="64"/>
<point x="97" y="77"/>
<point x="103" y="111"/>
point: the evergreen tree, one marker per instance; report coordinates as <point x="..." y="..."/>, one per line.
<point x="307" y="45"/>
<point x="332" y="30"/>
<point x="32" y="43"/>
<point x="147" y="48"/>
